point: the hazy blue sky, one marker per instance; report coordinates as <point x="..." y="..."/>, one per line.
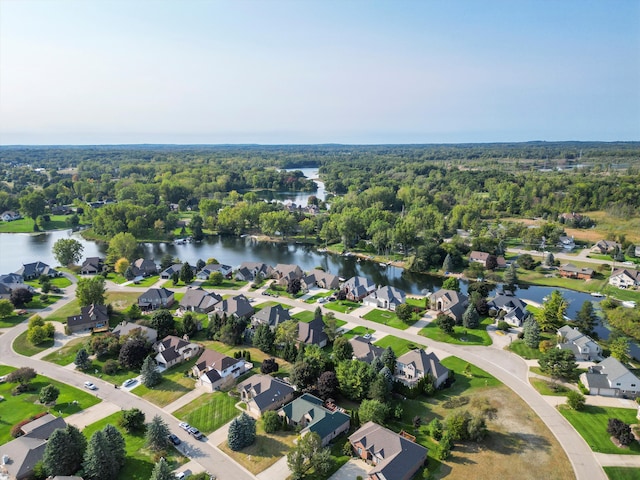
<point x="306" y="71"/>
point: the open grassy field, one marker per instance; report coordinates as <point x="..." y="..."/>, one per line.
<point x="174" y="384"/>
<point x="314" y="298"/>
<point x="591" y="424"/>
<point x="209" y="411"/>
<point x="24" y="347"/>
<point x="399" y="345"/>
<point x="145" y="282"/>
<point x="622" y="473"/>
<point x="385" y="317"/>
<point x="62" y="313"/>
<point x="225" y="285"/>
<point x="139" y="461"/>
<point x="20" y="407"/>
<point x="25" y="225"/>
<point x="305" y="316"/>
<point x="342" y="306"/>
<point x="520" y="348"/>
<point x="461" y="335"/>
<point x="67" y="353"/>
<point x="267" y="449"/>
<point x="38" y="304"/>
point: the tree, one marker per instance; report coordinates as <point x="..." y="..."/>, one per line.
<point x="294" y="286"/>
<point x="526" y="261"/>
<point x="435" y="429"/>
<point x="445" y="323"/>
<point x="49" y="394"/>
<point x="166" y="261"/>
<point x="103" y="345"/>
<point x="19" y="297"/>
<point x="133" y="420"/>
<point x="242" y="432"/>
<point x="186" y="273"/>
<point x="269" y="365"/>
<point x="36" y="335"/>
<point x="98" y="459"/>
<point x="162" y="471"/>
<point x="22" y="375"/>
<point x="122" y="244"/>
<point x="133" y="353"/>
<point x="150" y="374"/>
<point x="620" y="430"/>
<point x="586" y="318"/>
<point x="491" y="263"/>
<point x="6" y="308"/>
<point x="67" y="251"/>
<point x="82" y="359"/>
<point x="549" y="260"/>
<point x="575" y="400"/>
<point x="163" y="322"/>
<point x="303" y="375"/>
<point x="134" y="312"/>
<point x="470" y="317"/>
<point x="90" y="290"/>
<point x="511" y="275"/>
<point x="447" y="265"/>
<point x="619" y="347"/>
<point x="531" y="332"/>
<point x="216" y="278"/>
<point x="354" y="378"/>
<point x="451" y="283"/>
<point x="551" y="316"/>
<point x="558" y="363"/>
<point x="157" y="435"/>
<point x="264" y="338"/>
<point x="388" y="357"/>
<point x="342" y="349"/>
<point x="380" y="389"/>
<point x="116" y="444"/>
<point x="271" y="421"/>
<point x="404" y="312"/>
<point x="330" y="326"/>
<point x="308" y="453"/>
<point x="122" y="265"/>
<point x="33" y="205"/>
<point x="373" y="410"/>
<point x="327" y="384"/>
<point x="64" y="451"/>
<point x="189" y="324"/>
<point x="287" y="332"/>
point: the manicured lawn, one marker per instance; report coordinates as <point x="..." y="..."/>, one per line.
<point x="621" y="294"/>
<point x="520" y="348"/>
<point x="478" y="379"/>
<point x="116" y="278"/>
<point x="267" y="449"/>
<point x="13" y="320"/>
<point x="174" y="385"/>
<point x="117" y="378"/>
<point x="24" y="347"/>
<point x="225" y="285"/>
<point x="622" y="473"/>
<point x="314" y="298"/>
<point x="25" y="225"/>
<point x="386" y="317"/>
<point x="545" y="387"/>
<point x="145" y="282"/>
<point x="461" y="335"/>
<point x="416" y="302"/>
<point x="342" y="306"/>
<point x="60" y="282"/>
<point x="257" y="356"/>
<point x="305" y="317"/>
<point x="66" y="354"/>
<point x="209" y="412"/>
<point x="140" y="461"/>
<point x="38" y="304"/>
<point x="64" y="312"/>
<point x="591" y="423"/>
<point x="20" y="407"/>
<point x="357" y="332"/>
<point x="399" y="345"/>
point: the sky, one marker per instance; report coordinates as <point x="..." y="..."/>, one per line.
<point x="318" y="71"/>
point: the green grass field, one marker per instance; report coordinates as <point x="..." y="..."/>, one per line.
<point x="20" y="407"/>
<point x="225" y="285"/>
<point x="139" y="461"/>
<point x="520" y="348"/>
<point x="461" y="335"/>
<point x="174" y="384"/>
<point x="62" y="313"/>
<point x="622" y="473"/>
<point x="305" y="316"/>
<point x="145" y="282"/>
<point x="357" y="332"/>
<point x="38" y="304"/>
<point x="60" y="282"/>
<point x="591" y="424"/>
<point x="385" y="317"/>
<point x="342" y="306"/>
<point x="399" y="345"/>
<point x="25" y="225"/>
<point x="24" y="347"/>
<point x="66" y="354"/>
<point x="13" y="320"/>
<point x="314" y="298"/>
<point x="209" y="411"/>
<point x="545" y="387"/>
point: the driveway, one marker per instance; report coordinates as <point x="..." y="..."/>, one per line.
<point x="351" y="470"/>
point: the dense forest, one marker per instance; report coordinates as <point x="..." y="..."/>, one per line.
<point x="391" y="198"/>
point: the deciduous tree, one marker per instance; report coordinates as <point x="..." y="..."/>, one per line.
<point x="19" y="297"/>
<point x="90" y="290"/>
<point x="49" y="394"/>
<point x="342" y="349"/>
<point x="6" y="308"/>
<point x="67" y="251"/>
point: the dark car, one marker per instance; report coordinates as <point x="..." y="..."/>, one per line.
<point x="174" y="439"/>
<point x="195" y="433"/>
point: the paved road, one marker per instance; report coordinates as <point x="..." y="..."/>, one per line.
<point x="579" y="257"/>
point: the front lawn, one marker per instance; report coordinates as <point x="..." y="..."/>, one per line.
<point x="225" y="285"/>
<point x="461" y="335"/>
<point x="342" y="306"/>
<point x="591" y="423"/>
<point x="24" y="347"/>
<point x="174" y="384"/>
<point x="20" y="407"/>
<point x="305" y="316"/>
<point x="621" y="473"/>
<point x="67" y="353"/>
<point x="399" y="345"/>
<point x="145" y="282"/>
<point x="139" y="461"/>
<point x="64" y="312"/>
<point x="314" y="298"/>
<point x="267" y="449"/>
<point x="60" y="282"/>
<point x="209" y="411"/>
<point x="545" y="387"/>
<point x="385" y="317"/>
<point x="12" y="320"/>
<point x="358" y="332"/>
<point x="38" y="304"/>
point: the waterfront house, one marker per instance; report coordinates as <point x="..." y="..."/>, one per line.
<point x="168" y="273"/>
<point x="584" y="348"/>
<point x="143" y="267"/>
<point x="10" y="216"/>
<point x="207" y="270"/>
<point x="249" y="271"/>
<point x="624" y="278"/>
<point x="508" y="307"/>
<point x="320" y="279"/>
<point x="31" y="271"/>
<point x="285" y="274"/>
<point x="449" y="302"/>
<point x="569" y="270"/>
<point x="358" y="288"/>
<point x="92" y="266"/>
<point x="385" y="297"/>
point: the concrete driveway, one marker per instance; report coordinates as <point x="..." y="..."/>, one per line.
<point x="351" y="470"/>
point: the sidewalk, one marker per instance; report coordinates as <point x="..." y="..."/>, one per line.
<point x="92" y="414"/>
<point x="614" y="460"/>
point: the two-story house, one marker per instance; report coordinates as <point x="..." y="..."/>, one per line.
<point x="264" y="392"/>
<point x="172" y="350"/>
<point x="449" y="302"/>
<point x="155" y="298"/>
<point x="385" y="297"/>
<point x="213" y="369"/>
<point x="311" y="415"/>
<point x="584" y="348"/>
<point x="358" y="288"/>
<point x="624" y="278"/>
<point x="416" y="364"/>
<point x="199" y="300"/>
<point x="610" y="378"/>
<point x="92" y="317"/>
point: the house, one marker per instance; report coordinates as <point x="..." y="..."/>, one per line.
<point x="312" y="333"/>
<point x="173" y="350"/>
<point x="417" y="363"/>
<point x="310" y="413"/>
<point x="272" y="316"/>
<point x="583" y="347"/>
<point x="610" y="378"/>
<point x="5" y="291"/>
<point x="606" y="246"/>
<point x="482" y="257"/>
<point x="249" y="271"/>
<point x="199" y="300"/>
<point x="213" y="369"/>
<point x="207" y="270"/>
<point x="92" y="266"/>
<point x="566" y="243"/>
<point x="394" y="456"/>
<point x="624" y="278"/>
<point x="569" y="270"/>
<point x="168" y="273"/>
<point x="449" y="302"/>
<point x="285" y="273"/>
<point x="264" y="392"/>
<point x="31" y="271"/>
<point x="238" y="306"/>
<point x="385" y="297"/>
<point x="11" y="281"/>
<point x="509" y="308"/>
<point x="92" y="317"/>
<point x="155" y="298"/>
<point x="20" y="456"/>
<point x="357" y="288"/>
<point x="364" y="350"/>
<point x="128" y="328"/>
<point x="61" y="210"/>
<point x="10" y="216"/>
<point x="143" y="267"/>
<point x="320" y="279"/>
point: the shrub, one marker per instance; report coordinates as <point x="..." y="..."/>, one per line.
<point x="270" y="421"/>
<point x="110" y="367"/>
<point x="575" y="400"/>
<point x="504" y="326"/>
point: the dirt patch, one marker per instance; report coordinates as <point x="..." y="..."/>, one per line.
<point x="519" y="445"/>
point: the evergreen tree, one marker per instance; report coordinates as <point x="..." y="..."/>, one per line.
<point x="531" y="332"/>
<point x="447" y="265"/>
<point x="549" y="259"/>
<point x="242" y="432"/>
<point x="551" y="316"/>
<point x="116" y="444"/>
<point x="586" y="318"/>
<point x="162" y="471"/>
<point x="388" y="357"/>
<point x="132" y="420"/>
<point x="186" y="273"/>
<point x="150" y="375"/>
<point x="64" y="451"/>
<point x="264" y="338"/>
<point x="99" y="463"/>
<point x="157" y="436"/>
<point x="49" y="394"/>
<point x="317" y="314"/>
<point x="379" y="389"/>
<point x="470" y="318"/>
<point x="511" y="275"/>
<point x="82" y="359"/>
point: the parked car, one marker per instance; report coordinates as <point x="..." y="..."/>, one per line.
<point x="195" y="433"/>
<point x="174" y="439"/>
<point x="90" y="386"/>
<point x="128" y="383"/>
<point x="180" y="475"/>
<point x="184" y="426"/>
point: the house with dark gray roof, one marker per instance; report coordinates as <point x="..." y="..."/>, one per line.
<point x="168" y="273"/>
<point x="207" y="270"/>
<point x="92" y="266"/>
<point x="357" y="288"/>
<point x="213" y="369"/>
<point x="272" y="316"/>
<point x="10" y="216"/>
<point x="449" y="302"/>
<point x="310" y="414"/>
<point x="509" y="307"/>
<point x="583" y="347"/>
<point x="238" y="306"/>
<point x="199" y="300"/>
<point x="248" y="271"/>
<point x="605" y="246"/>
<point x="264" y="392"/>
<point x="143" y="267"/>
<point x="393" y="456"/>
<point x="610" y="378"/>
<point x="127" y="328"/>
<point x="416" y="364"/>
<point x="312" y="333"/>
<point x="385" y="297"/>
<point x="285" y="273"/>
<point x="173" y="350"/>
<point x="155" y="298"/>
<point x="92" y="317"/>
<point x="10" y="282"/>
<point x="320" y="279"/>
<point x="364" y="350"/>
<point x="31" y="271"/>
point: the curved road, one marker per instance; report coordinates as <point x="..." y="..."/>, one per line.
<point x="507" y="367"/>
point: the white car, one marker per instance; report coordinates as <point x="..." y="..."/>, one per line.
<point x="366" y="336"/>
<point x="90" y="386"/>
<point x="128" y="383"/>
<point x="184" y="426"/>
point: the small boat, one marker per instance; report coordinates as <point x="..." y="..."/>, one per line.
<point x="383" y="265"/>
<point x="629" y="304"/>
<point x="597" y="294"/>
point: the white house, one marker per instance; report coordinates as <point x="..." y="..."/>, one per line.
<point x="173" y="350"/>
<point x="10" y="216"/>
<point x="213" y="369"/>
<point x="583" y="347"/>
<point x="610" y="378"/>
<point x="624" y="278"/>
